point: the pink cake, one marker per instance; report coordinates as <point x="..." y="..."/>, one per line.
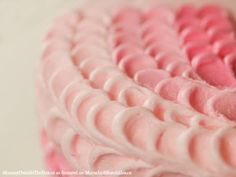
<point x="143" y="90"/>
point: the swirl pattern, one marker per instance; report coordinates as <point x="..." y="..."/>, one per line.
<point x="145" y="90"/>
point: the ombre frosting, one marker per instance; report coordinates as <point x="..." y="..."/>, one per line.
<point x="141" y="88"/>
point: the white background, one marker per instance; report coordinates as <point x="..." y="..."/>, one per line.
<point x="22" y="26"/>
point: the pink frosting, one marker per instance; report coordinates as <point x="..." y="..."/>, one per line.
<point x="149" y="91"/>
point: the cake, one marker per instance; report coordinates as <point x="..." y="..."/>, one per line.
<point x="141" y="90"/>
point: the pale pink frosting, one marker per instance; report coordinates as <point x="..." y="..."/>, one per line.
<point x="150" y="91"/>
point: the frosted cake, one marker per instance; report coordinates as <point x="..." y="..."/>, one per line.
<point x="140" y="88"/>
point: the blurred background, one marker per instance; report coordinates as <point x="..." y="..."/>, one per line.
<point x="23" y="24"/>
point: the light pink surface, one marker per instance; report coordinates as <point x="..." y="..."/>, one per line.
<point x="151" y="91"/>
